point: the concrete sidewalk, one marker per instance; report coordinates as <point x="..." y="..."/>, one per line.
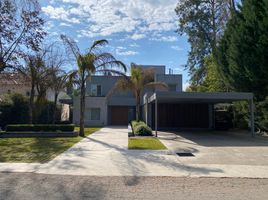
<point x="105" y="153"/>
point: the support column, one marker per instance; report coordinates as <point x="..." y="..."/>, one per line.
<point x="146" y="111"/>
<point x="210" y="113"/>
<point x="252" y="118"/>
<point x="156" y="116"/>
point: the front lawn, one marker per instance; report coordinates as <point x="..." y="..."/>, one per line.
<point x="145" y="144"/>
<point x="36" y="149"/>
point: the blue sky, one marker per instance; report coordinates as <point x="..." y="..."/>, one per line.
<point x="139" y="31"/>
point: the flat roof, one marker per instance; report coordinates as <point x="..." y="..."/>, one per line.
<point x="199" y="97"/>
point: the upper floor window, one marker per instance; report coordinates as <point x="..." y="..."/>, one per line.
<point x="95" y="90"/>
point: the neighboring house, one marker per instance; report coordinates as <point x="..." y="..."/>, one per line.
<point x="14" y="83"/>
<point x="11" y="83"/>
<point x="170" y="109"/>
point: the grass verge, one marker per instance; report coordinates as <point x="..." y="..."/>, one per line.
<point x="39" y="150"/>
<point x="145" y="144"/>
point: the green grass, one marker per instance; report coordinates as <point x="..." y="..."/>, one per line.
<point x="145" y="144"/>
<point x="39" y="150"/>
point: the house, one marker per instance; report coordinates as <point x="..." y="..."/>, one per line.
<point x="11" y="83"/>
<point x="169" y="109"/>
<point x="16" y="83"/>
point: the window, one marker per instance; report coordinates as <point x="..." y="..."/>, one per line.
<point x="27" y="93"/>
<point x="95" y="114"/>
<point x="95" y="90"/>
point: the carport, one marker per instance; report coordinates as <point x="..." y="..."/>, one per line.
<point x="196" y="98"/>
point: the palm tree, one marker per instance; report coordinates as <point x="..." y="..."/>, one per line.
<point x="137" y="83"/>
<point x="92" y="62"/>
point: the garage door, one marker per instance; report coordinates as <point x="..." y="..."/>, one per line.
<point x="119" y="115"/>
<point x="182" y="116"/>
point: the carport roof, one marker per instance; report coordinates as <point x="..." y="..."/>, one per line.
<point x="199" y="97"/>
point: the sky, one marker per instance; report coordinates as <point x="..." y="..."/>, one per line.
<point x="139" y="31"/>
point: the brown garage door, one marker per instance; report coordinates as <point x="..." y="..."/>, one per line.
<point x="119" y="115"/>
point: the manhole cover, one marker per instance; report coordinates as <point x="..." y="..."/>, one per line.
<point x="185" y="154"/>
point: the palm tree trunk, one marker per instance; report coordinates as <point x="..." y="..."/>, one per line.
<point x="31" y="106"/>
<point x="55" y="107"/>
<point x="82" y="109"/>
<point x="138" y="108"/>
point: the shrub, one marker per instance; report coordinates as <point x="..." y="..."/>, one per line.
<point x="40" y="127"/>
<point x="14" y="109"/>
<point x="141" y="129"/>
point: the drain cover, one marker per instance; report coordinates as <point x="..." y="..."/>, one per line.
<point x="185" y="154"/>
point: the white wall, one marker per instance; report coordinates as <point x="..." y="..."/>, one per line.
<point x="91" y="102"/>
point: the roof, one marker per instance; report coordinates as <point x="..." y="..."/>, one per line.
<point x="200" y="97"/>
<point x="14" y="79"/>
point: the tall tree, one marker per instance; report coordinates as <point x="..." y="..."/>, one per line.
<point x="39" y="71"/>
<point x="59" y="82"/>
<point x="92" y="62"/>
<point x="34" y="68"/>
<point x="203" y="21"/>
<point x="139" y="81"/>
<point x="213" y="81"/>
<point x="242" y="53"/>
<point x="21" y="28"/>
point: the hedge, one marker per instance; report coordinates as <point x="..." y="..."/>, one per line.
<point x="140" y="128"/>
<point x="40" y="127"/>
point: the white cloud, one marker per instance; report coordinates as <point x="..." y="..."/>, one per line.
<point x="60" y="13"/>
<point x="134" y="45"/>
<point x="164" y="38"/>
<point x="177" y="48"/>
<point x="65" y="24"/>
<point x="139" y="18"/>
<point x="122" y="51"/>
<point x="137" y="36"/>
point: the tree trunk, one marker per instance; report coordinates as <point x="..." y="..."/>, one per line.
<point x="55" y="107"/>
<point x="138" y="108"/>
<point x="82" y="109"/>
<point x="232" y="5"/>
<point x="214" y="28"/>
<point x="31" y="107"/>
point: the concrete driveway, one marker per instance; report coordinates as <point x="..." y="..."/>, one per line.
<point x="223" y="148"/>
<point x="105" y="153"/>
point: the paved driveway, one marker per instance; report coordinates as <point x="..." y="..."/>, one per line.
<point x="225" y="148"/>
<point x="105" y="153"/>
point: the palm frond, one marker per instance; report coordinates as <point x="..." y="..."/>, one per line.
<point x="156" y="85"/>
<point x="123" y="84"/>
<point x="111" y="72"/>
<point x="112" y="64"/>
<point x="73" y="78"/>
<point x="70" y="45"/>
<point x="97" y="44"/>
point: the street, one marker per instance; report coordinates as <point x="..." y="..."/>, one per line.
<point x="40" y="186"/>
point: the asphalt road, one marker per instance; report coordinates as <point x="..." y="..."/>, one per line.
<point x="40" y="186"/>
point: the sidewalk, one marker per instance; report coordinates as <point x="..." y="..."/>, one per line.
<point x="105" y="153"/>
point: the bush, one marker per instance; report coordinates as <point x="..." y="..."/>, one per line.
<point x="14" y="109"/>
<point x="39" y="127"/>
<point x="141" y="129"/>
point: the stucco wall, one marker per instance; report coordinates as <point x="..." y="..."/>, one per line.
<point x="91" y="102"/>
